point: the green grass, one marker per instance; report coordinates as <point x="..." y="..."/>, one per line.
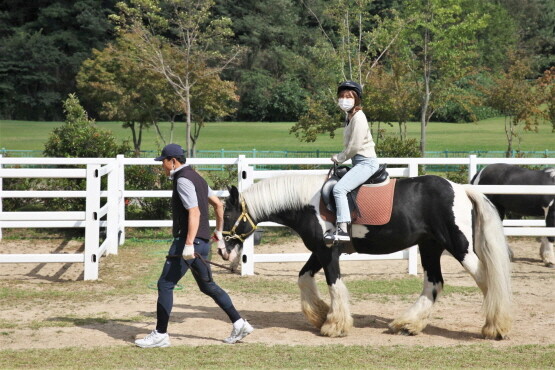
<point x="254" y="356"/>
<point x="484" y="135"/>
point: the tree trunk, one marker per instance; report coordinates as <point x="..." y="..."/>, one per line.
<point x="426" y="99"/>
<point x="188" y="115"/>
<point x="509" y="133"/>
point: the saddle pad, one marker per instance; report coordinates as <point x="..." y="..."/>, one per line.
<point x="375" y="204"/>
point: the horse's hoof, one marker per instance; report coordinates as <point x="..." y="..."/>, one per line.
<point x="550" y="265"/>
<point x="406" y="332"/>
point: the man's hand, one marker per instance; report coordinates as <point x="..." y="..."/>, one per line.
<point x="217" y="236"/>
<point x="334" y="159"/>
<point x="189" y="252"/>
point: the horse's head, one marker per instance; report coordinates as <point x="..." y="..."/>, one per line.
<point x="238" y="225"/>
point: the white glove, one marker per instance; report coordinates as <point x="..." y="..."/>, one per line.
<point x="189" y="252"/>
<point x="217" y="236"/>
<point x="334" y="158"/>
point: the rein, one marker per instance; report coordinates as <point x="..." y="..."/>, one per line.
<point x="244" y="217"/>
<point x="202" y="259"/>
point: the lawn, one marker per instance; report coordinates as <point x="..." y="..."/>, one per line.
<point x="486" y="135"/>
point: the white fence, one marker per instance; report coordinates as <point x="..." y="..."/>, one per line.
<point x="88" y="219"/>
<point x="114" y="207"/>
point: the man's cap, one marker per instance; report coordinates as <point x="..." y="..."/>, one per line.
<point x="171" y="150"/>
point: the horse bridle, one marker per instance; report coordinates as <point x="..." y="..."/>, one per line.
<point x="244" y="217"/>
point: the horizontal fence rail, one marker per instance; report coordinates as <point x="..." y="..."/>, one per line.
<point x="89" y="218"/>
<point x="249" y="170"/>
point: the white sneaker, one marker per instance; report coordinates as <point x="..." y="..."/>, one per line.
<point x="238" y="334"/>
<point x="154" y="340"/>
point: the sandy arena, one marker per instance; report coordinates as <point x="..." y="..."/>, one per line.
<point x="196" y="320"/>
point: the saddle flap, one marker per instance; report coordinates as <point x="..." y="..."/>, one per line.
<point x="375" y="204"/>
<point x="327" y="193"/>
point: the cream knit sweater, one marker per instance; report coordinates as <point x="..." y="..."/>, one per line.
<point x="357" y="139"/>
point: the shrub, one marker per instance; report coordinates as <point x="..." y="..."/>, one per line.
<point x="147" y="178"/>
<point x="394" y="147"/>
<point x="457" y="113"/>
<point x="79" y="137"/>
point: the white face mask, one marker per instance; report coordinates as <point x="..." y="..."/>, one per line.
<point x="346" y="104"/>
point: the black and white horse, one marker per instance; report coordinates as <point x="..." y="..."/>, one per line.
<point x="523" y="204"/>
<point x="430" y="211"/>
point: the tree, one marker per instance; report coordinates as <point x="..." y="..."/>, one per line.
<point x="444" y="35"/>
<point x="42" y="44"/>
<point x="350" y="51"/>
<point x="391" y="93"/>
<point x="126" y="90"/>
<point x="516" y="98"/>
<point x="183" y="42"/>
<point x="535" y="20"/>
<point x="546" y="84"/>
<point x="271" y="79"/>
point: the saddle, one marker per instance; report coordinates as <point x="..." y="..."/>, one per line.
<point x="374" y="198"/>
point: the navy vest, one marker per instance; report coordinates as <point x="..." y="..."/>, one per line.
<point x="180" y="214"/>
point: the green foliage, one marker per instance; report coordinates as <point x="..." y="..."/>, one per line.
<point x="255" y="95"/>
<point x="79" y="136"/>
<point x="456" y="112"/>
<point x="190" y="47"/>
<point x="43" y="44"/>
<point x="121" y="85"/>
<point x="546" y="85"/>
<point x="287" y="101"/>
<point x="316" y="120"/>
<point x="221" y="180"/>
<point x="393" y="147"/>
<point x="514" y="97"/>
<point x="147" y="178"/>
<point x="460" y="176"/>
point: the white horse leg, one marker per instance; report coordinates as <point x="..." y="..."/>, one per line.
<point x="338" y="321"/>
<point x="475" y="268"/>
<point x="546" y="252"/>
<point x="313" y="307"/>
<point x="415" y="319"/>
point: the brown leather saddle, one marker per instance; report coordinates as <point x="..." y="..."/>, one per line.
<point x="336" y="173"/>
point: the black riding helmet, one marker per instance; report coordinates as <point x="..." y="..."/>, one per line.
<point x="350" y="85"/>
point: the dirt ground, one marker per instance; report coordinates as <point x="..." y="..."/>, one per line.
<point x="196" y="320"/>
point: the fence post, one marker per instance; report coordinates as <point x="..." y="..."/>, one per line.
<point x="413" y="251"/>
<point x="112" y="219"/>
<point x="120" y="167"/>
<point x="245" y="180"/>
<point x="1" y="188"/>
<point x="472" y="167"/>
<point x="92" y="223"/>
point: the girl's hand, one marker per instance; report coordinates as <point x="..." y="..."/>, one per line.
<point x="334" y="159"/>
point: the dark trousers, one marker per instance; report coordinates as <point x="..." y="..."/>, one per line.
<point x="175" y="268"/>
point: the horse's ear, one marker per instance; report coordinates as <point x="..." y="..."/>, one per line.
<point x="233" y="194"/>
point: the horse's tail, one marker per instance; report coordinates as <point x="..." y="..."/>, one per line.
<point x="491" y="248"/>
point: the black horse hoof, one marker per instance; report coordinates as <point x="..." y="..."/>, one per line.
<point x="550" y="265"/>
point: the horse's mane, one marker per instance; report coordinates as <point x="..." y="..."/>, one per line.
<point x="281" y="193"/>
